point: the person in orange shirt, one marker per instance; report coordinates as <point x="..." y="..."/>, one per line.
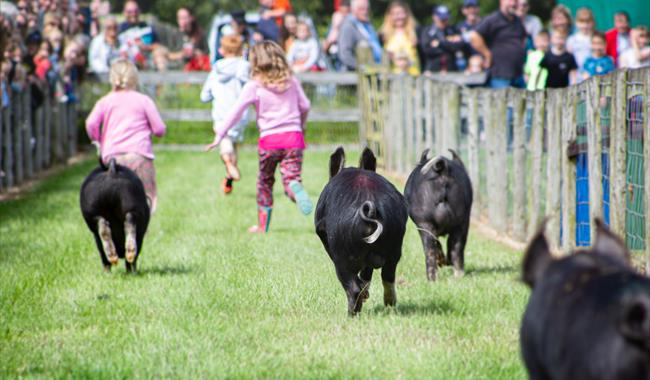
<point x="279" y="9"/>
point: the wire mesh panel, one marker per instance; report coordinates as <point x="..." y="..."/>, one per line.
<point x="635" y="205"/>
<point x="605" y="126"/>
<point x="583" y="237"/>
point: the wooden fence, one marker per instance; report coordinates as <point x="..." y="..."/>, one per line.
<point x="571" y="154"/>
<point x="34" y="138"/>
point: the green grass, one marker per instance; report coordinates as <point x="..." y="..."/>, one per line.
<point x="179" y="132"/>
<point x="210" y="301"/>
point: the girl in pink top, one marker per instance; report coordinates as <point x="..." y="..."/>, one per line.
<point x="122" y="123"/>
<point x="282" y="109"/>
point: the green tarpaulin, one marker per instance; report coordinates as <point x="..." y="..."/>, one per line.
<point x="639" y="11"/>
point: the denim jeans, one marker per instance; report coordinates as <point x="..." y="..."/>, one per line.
<point x="497" y="83"/>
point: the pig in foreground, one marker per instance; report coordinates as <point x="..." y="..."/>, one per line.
<point x="114" y="206"/>
<point x="361" y="219"/>
<point x="588" y="316"/>
<point x="439" y="197"/>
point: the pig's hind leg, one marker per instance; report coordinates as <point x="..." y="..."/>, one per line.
<point x="388" y="280"/>
<point x="366" y="277"/>
<point x="353" y="289"/>
<point x="456" y="249"/>
<point x="106" y="238"/>
<point x="130" y="244"/>
<point x="102" y="255"/>
<point x="433" y="254"/>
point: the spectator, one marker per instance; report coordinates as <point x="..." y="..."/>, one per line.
<point x="288" y="31"/>
<point x="561" y="66"/>
<point x="330" y="46"/>
<point x="534" y="74"/>
<point x="579" y="43"/>
<point x="240" y="27"/>
<point x="599" y="63"/>
<point x="193" y="54"/>
<point x="618" y="38"/>
<point x="532" y="23"/>
<point x="304" y="53"/>
<point x="42" y="60"/>
<point x="399" y="35"/>
<point x="98" y="9"/>
<point x="267" y="25"/>
<point x="137" y="39"/>
<point x="561" y="19"/>
<point x="440" y="42"/>
<point x="500" y="39"/>
<point x="639" y="54"/>
<point x="475" y="65"/>
<point x="357" y="30"/>
<point x="470" y="11"/>
<point x="104" y="48"/>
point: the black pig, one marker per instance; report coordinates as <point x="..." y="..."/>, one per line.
<point x="114" y="206"/>
<point x="361" y="219"/>
<point x="588" y="316"/>
<point x="439" y="197"/>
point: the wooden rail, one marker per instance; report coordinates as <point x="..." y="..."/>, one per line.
<point x="519" y="147"/>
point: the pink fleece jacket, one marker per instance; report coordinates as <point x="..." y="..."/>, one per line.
<point x="128" y="119"/>
<point x="279" y="110"/>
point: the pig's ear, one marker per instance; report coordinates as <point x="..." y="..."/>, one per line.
<point x="457" y="158"/>
<point x="368" y="160"/>
<point x="634" y="322"/>
<point x="610" y="245"/>
<point x="337" y="161"/>
<point x="537" y="258"/>
<point x="425" y="156"/>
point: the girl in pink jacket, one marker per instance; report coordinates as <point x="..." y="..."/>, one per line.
<point x="122" y="123"/>
<point x="282" y="109"/>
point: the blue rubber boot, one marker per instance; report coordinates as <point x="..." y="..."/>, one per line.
<point x="302" y="198"/>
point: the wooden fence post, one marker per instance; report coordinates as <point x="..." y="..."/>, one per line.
<point x="399" y="130"/>
<point x="17" y="124"/>
<point x="47" y="128"/>
<point x="554" y="159"/>
<point x="594" y="151"/>
<point x="28" y="137"/>
<point x="428" y="109"/>
<point x="2" y="167"/>
<point x="451" y="115"/>
<point x="536" y="148"/>
<point x="618" y="150"/>
<point x="72" y="122"/>
<point x="8" y="145"/>
<point x="438" y="118"/>
<point x="497" y="162"/>
<point x="519" y="222"/>
<point x="409" y="124"/>
<point x="569" y="170"/>
<point x="419" y="117"/>
<point x="473" y="148"/>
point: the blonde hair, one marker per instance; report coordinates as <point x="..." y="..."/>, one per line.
<point x="585" y="14"/>
<point x="123" y="75"/>
<point x="387" y="30"/>
<point x="269" y="64"/>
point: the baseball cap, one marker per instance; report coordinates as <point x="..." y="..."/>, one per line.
<point x="442" y="12"/>
<point x="470" y="3"/>
<point x="239" y="16"/>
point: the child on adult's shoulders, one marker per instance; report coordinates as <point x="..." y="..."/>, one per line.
<point x="598" y="63"/>
<point x="561" y="65"/>
<point x="534" y="74"/>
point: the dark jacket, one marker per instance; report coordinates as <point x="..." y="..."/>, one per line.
<point x="444" y="54"/>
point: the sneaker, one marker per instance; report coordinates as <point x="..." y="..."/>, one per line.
<point x="226" y="185"/>
<point x="302" y="198"/>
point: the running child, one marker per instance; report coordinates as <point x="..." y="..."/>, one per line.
<point x="282" y="109"/>
<point x="123" y="121"/>
<point x="223" y="87"/>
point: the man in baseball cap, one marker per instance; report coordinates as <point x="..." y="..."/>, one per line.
<point x="440" y="42"/>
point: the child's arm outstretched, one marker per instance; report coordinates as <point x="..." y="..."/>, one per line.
<point x="303" y="104"/>
<point x="94" y="121"/>
<point x="153" y="116"/>
<point x="246" y="98"/>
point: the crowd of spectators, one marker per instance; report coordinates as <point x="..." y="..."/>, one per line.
<point x="54" y="43"/>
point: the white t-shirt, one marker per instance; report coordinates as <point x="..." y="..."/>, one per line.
<point x="630" y="60"/>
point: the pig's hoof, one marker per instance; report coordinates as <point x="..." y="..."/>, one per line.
<point x="441" y="261"/>
<point x="390" y="296"/>
<point x="107" y="269"/>
<point x="458" y="273"/>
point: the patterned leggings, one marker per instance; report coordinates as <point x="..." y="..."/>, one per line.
<point x="290" y="161"/>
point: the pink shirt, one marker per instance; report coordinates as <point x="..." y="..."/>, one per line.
<point x="279" y="110"/>
<point x="128" y="119"/>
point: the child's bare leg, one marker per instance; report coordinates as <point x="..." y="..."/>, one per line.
<point x="229" y="158"/>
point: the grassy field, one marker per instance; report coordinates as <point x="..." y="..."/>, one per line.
<point x="211" y="301"/>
